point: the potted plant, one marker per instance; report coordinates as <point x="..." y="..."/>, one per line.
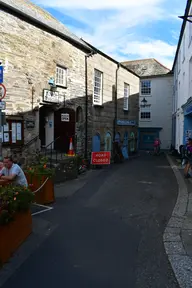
<point x="40" y="180"/>
<point x="15" y="219"/>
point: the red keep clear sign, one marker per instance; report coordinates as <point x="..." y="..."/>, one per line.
<point x="100" y="158"/>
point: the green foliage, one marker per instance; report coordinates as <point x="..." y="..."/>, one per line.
<point x="39" y="169"/>
<point x="13" y="199"/>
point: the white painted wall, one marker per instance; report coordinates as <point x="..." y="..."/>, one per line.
<point x="182" y="80"/>
<point x="49" y="131"/>
<point x="161" y="108"/>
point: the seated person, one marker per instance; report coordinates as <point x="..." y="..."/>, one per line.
<point x="13" y="172"/>
<point x="1" y="166"/>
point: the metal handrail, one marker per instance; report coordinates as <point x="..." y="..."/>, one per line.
<point x="51" y="150"/>
<point x="30" y="142"/>
<point x="52" y="142"/>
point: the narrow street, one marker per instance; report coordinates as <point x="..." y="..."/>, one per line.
<point x="109" y="233"/>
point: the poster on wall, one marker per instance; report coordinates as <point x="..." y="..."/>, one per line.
<point x="13" y="132"/>
<point x="64" y="117"/>
<point x="6" y="128"/>
<point x="19" y="131"/>
<point x="6" y="137"/>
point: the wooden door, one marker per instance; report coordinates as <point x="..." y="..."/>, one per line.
<point x="64" y="128"/>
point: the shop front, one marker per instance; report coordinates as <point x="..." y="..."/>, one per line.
<point x="187" y="110"/>
<point x="128" y="130"/>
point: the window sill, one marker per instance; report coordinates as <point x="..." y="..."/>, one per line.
<point x="13" y="145"/>
<point x="61" y="86"/>
<point x="145" y="95"/>
<point x="98" y="105"/>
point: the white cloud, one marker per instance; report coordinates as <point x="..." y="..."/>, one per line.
<point x="114" y="26"/>
<point x="99" y="4"/>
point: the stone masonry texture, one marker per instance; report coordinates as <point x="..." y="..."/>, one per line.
<point x="30" y="56"/>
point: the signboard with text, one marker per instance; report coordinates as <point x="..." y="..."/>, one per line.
<point x="52" y="96"/>
<point x="2" y="91"/>
<point x="64" y="117"/>
<point x="2" y="105"/>
<point x="1" y="74"/>
<point x="100" y="158"/>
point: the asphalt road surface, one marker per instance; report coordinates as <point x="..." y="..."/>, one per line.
<point x="109" y="233"/>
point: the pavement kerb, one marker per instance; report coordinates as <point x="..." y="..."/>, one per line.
<point x="181" y="263"/>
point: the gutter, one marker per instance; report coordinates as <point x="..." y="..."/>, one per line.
<point x="187" y="9"/>
<point x="16" y="12"/>
<point x="86" y="102"/>
<point x="116" y="88"/>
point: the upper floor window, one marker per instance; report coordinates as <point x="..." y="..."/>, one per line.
<point x="145" y="113"/>
<point x="190" y="77"/>
<point x="190" y="28"/>
<point x="98" y="88"/>
<point x="146" y="87"/>
<point x="179" y="61"/>
<point x="183" y="47"/>
<point x="126" y="97"/>
<point x="61" y="76"/>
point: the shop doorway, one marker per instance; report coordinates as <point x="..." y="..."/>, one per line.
<point x="96" y="143"/>
<point x="64" y="129"/>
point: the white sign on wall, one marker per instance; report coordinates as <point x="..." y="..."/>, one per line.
<point x="64" y="117"/>
<point x="52" y="96"/>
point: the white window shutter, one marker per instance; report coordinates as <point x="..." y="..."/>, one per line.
<point x="98" y="85"/>
<point x="126" y="97"/>
<point x="126" y="103"/>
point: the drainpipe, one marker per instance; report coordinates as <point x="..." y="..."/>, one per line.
<point x="116" y="87"/>
<point x="86" y="102"/>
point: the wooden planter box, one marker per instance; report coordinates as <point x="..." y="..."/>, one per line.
<point x="46" y="194"/>
<point x="14" y="234"/>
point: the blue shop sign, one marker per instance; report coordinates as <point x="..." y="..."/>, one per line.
<point x="1" y="74"/>
<point x="126" y="122"/>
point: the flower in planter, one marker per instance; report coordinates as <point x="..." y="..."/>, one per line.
<point x="10" y="204"/>
<point x="39" y="169"/>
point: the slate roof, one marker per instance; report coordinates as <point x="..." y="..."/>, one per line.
<point x="146" y="67"/>
<point x="38" y="14"/>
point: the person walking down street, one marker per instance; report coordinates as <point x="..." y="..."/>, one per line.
<point x="13" y="173"/>
<point x="157" y="144"/>
<point x="188" y="154"/>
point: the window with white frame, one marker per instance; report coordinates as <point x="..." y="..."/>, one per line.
<point x="145" y="112"/>
<point x="126" y="97"/>
<point x="98" y="88"/>
<point x="190" y="28"/>
<point x="179" y="61"/>
<point x="61" y="76"/>
<point x="183" y="48"/>
<point x="190" y="77"/>
<point x="145" y="87"/>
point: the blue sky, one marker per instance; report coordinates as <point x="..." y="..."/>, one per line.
<point x="124" y="29"/>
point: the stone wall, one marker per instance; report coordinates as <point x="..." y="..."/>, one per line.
<point x="30" y="56"/>
<point x="103" y="116"/>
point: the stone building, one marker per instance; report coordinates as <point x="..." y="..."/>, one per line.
<point x="35" y="47"/>
<point x="182" y="95"/>
<point x="155" y="102"/>
<point x="114" y="97"/>
<point x="50" y="76"/>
